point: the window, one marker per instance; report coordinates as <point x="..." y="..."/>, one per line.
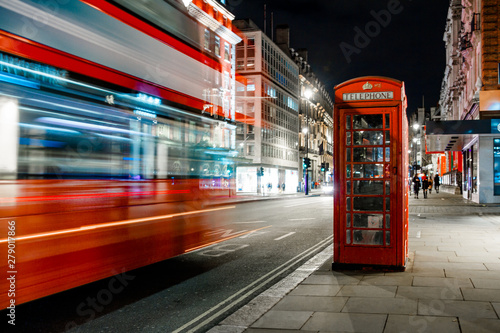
<point x="217" y="46"/>
<point x="226" y="51"/>
<point x="207" y="40"/>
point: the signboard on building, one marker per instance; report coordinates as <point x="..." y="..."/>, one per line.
<point x="368" y="96"/>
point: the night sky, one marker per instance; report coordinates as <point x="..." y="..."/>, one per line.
<point x="402" y="39"/>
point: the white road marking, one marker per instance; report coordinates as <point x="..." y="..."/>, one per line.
<point x="250" y="222"/>
<point x="419" y="234"/>
<point x="302" y="219"/>
<point x="289" y="234"/>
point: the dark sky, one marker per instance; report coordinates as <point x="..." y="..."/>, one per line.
<point x="405" y="42"/>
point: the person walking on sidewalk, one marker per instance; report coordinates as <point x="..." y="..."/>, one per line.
<point x="430" y="184"/>
<point x="436" y="183"/>
<point x="425" y="185"/>
<point x="416" y="185"/>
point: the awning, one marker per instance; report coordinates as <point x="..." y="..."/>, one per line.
<point x="451" y="135"/>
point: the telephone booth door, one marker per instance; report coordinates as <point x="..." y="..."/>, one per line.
<point x="371" y="156"/>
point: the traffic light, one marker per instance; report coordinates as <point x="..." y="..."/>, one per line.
<point x="261" y="171"/>
<point x="304" y="164"/>
<point x="323" y="166"/>
<point x="307" y="162"/>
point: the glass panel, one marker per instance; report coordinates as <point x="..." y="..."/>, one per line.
<point x="387" y="137"/>
<point x="368" y="171"/>
<point x="348" y="122"/>
<point x="348" y="204"/>
<point x="348" y="136"/>
<point x="368" y="154"/>
<point x="368" y="187"/>
<point x="387" y="238"/>
<point x="370" y="221"/>
<point x="388" y="204"/>
<point x="348" y="220"/>
<point x="387" y="187"/>
<point x="367" y="121"/>
<point x="368" y="204"/>
<point x="348" y="237"/>
<point x="367" y="138"/>
<point x="387" y="122"/>
<point x="348" y="171"/>
<point x="387" y="154"/>
<point x="387" y="221"/>
<point x="348" y="154"/>
<point x="348" y="187"/>
<point x="368" y="237"/>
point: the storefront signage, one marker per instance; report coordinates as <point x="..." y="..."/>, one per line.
<point x="32" y="70"/>
<point x="148" y="99"/>
<point x="368" y="96"/>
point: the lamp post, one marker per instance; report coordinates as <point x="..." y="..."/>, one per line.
<point x="307" y="94"/>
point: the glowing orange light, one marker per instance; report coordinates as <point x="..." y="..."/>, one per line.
<point x="114" y="224"/>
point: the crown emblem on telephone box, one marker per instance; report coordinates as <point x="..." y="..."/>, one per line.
<point x="367" y="86"/>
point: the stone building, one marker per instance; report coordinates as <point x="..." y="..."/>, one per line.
<point x="467" y="133"/>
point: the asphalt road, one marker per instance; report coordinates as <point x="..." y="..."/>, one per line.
<point x="193" y="292"/>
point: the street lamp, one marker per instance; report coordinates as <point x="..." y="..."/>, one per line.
<point x="307" y="95"/>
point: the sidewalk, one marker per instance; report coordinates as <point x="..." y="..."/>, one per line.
<point x="451" y="283"/>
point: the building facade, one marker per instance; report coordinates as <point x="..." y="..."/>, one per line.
<point x="268" y="104"/>
<point x="469" y="103"/>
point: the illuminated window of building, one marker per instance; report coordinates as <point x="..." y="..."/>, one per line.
<point x="226" y="51"/>
<point x="217" y="46"/>
<point x="206" y="43"/>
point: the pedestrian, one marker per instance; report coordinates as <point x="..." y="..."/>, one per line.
<point x="416" y="185"/>
<point x="436" y="182"/>
<point x="425" y="185"/>
<point x="430" y="184"/>
<point x="283" y="185"/>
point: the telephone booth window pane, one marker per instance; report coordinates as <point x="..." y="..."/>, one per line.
<point x="368" y="187"/>
<point x="348" y="220"/>
<point x="368" y="138"/>
<point x="348" y="169"/>
<point x="368" y="221"/>
<point x="368" y="237"/>
<point x="348" y="189"/>
<point x="387" y="187"/>
<point x="387" y="137"/>
<point x="348" y="122"/>
<point x="368" y="171"/>
<point x="348" y="136"/>
<point x="387" y="122"/>
<point x="367" y="121"/>
<point x="368" y="204"/>
<point x="368" y="154"/>
<point x="387" y="221"/>
<point x="387" y="154"/>
<point x="348" y="237"/>
<point x="387" y="238"/>
<point x="348" y="150"/>
<point x="388" y="204"/>
<point x="348" y="206"/>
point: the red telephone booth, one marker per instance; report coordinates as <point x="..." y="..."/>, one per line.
<point x="371" y="174"/>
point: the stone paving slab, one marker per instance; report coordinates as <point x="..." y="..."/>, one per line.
<point x="406" y="323"/>
<point x="438" y="293"/>
<point x="346" y="322"/>
<point x="311" y="303"/>
<point x="448" y="308"/>
<point x="292" y="320"/>
<point x="480" y="326"/>
<point x="381" y="305"/>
